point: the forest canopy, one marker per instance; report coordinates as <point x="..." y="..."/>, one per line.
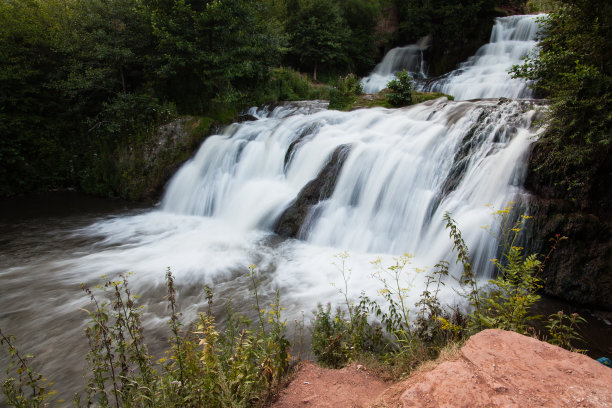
<point x="82" y="80"/>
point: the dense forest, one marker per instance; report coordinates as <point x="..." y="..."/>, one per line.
<point x="83" y="84"/>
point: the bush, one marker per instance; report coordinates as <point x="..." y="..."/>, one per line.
<point x="330" y="337"/>
<point x="401" y="90"/>
<point x="344" y="94"/>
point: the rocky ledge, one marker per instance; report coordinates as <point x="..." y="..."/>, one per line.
<point x="497" y="368"/>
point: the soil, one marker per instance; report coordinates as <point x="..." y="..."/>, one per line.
<point x="353" y="386"/>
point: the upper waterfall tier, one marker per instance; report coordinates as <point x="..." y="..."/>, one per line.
<point x="484" y="75"/>
<point x="409" y="57"/>
<point x="400" y="171"/>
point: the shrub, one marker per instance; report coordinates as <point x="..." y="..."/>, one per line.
<point x="563" y="330"/>
<point x="330" y="337"/>
<point x="345" y="92"/>
<point x="401" y="90"/>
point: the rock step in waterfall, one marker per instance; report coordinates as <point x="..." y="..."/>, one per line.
<point x="484" y="75"/>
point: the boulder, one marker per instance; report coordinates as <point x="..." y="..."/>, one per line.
<point x="497" y="368"/>
<point x="318" y="189"/>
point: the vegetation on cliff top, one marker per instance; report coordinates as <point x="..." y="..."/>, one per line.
<point x="574" y="69"/>
<point x="82" y="82"/>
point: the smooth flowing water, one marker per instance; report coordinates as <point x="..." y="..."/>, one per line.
<point x="484" y="75"/>
<point x="409" y="57"/>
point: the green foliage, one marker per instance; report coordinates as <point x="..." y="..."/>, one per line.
<point x="286" y="84"/>
<point x="506" y="303"/>
<point x="240" y="366"/>
<point x="563" y="330"/>
<point x="401" y="90"/>
<point x="507" y="300"/>
<point x="385" y="329"/>
<point x="573" y="68"/>
<point x="24" y="387"/>
<point x="361" y="17"/>
<point x="318" y="34"/>
<point x="345" y="93"/>
<point x="468" y="276"/>
<point x="330" y="337"/>
<point x="290" y="85"/>
<point x="82" y="81"/>
<point x="33" y="154"/>
<point x="542" y="6"/>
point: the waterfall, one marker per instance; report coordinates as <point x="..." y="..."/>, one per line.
<point x="409" y="57"/>
<point x="485" y="75"/>
<point x="403" y="170"/>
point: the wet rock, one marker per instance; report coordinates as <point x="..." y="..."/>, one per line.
<point x="579" y="270"/>
<point x="318" y="189"/>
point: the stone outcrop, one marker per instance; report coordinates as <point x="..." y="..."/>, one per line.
<point x="579" y="270"/>
<point x="497" y="368"/>
<point x="318" y="189"/>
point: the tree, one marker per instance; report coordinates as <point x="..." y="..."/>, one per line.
<point x="361" y="18"/>
<point x="319" y="35"/>
<point x="401" y="89"/>
<point x="31" y="151"/>
<point x="574" y="68"/>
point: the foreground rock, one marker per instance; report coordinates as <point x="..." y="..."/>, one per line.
<point x="504" y="369"/>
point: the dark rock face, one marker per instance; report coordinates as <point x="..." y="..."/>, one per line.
<point x="318" y="189"/>
<point x="580" y="269"/>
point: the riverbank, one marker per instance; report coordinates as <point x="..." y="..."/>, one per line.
<point x="494" y="368"/>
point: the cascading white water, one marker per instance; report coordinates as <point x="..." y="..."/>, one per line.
<point x="485" y="75"/>
<point x="393" y="189"/>
<point x="409" y="57"/>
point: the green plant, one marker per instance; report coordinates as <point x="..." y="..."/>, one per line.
<point x="337" y="340"/>
<point x="563" y="329"/>
<point x="401" y="89"/>
<point x="507" y="300"/>
<point x="25" y="387"/>
<point x="330" y="337"/>
<point x="396" y="319"/>
<point x="118" y="357"/>
<point x="434" y="325"/>
<point x="468" y="277"/>
<point x="239" y="366"/>
<point x="345" y="92"/>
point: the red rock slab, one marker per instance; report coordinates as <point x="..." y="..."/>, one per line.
<point x="497" y="368"/>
